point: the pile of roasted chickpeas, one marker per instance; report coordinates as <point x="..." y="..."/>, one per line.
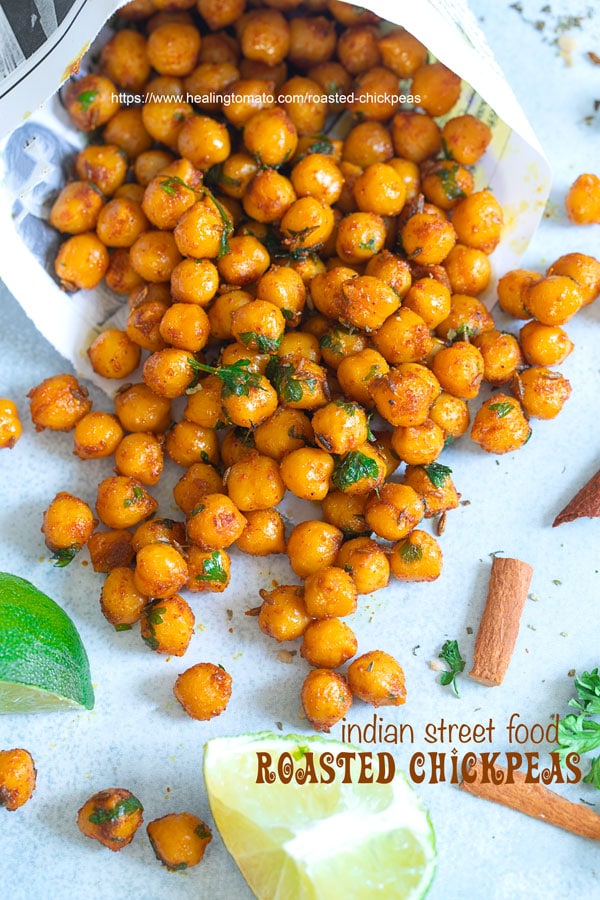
<point x="291" y="286"/>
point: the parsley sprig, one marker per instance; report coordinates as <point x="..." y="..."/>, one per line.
<point x="65" y="556"/>
<point x="237" y="378"/>
<point x="451" y="655"/>
<point x="352" y="468"/>
<point x="581" y="733"/>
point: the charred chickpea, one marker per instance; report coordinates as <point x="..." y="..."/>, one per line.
<point x="435" y="487"/>
<point x="340" y="426"/>
<point x="113" y="354"/>
<point x="121" y="222"/>
<point x="312" y="545"/>
<point x="355" y="372"/>
<point x="246" y="261"/>
<point x="306" y="472"/>
<point x="312" y="41"/>
<point x="367" y="562"/>
<point x="81" y="262"/>
<point x="451" y="414"/>
<point x="328" y="643"/>
<point x="126" y="131"/>
<point x="377" y="678"/>
<point x="263" y="534"/>
<point x="209" y="570"/>
<point x="254" y="483"/>
<point x="544" y="345"/>
<point x="466" y="139"/>
<point x="220" y="13"/>
<point x="187" y="443"/>
<point x="469" y="270"/>
<point x="154" y="255"/>
<point x="360" y="236"/>
<point x="268" y="196"/>
<point x="110" y="549"/>
<point x="346" y="512"/>
<point x="58" y="403"/>
<point x="429" y="299"/>
<point x="173" y="48"/>
<point x="194" y="281"/>
<point x="10" y="424"/>
<point x="367" y="143"/>
<point x="138" y="408"/>
<point x="215" y="522"/>
<point x="459" y="369"/>
<point x="553" y="300"/>
<point x="401" y="52"/>
<point x="500" y="426"/>
<point x="77" y="207"/>
<point x="326" y="698"/>
<point x="307" y="224"/>
<point x="284" y="431"/>
<point x="416" y="137"/>
<point x="403" y="396"/>
<point x="91" y="101"/>
<point x="583" y="269"/>
<point x="283" y="614"/>
<point x="96" y="435"/>
<point x="418" y="445"/>
<point x="541" y="392"/>
<point x="427" y="239"/>
<point x="582" y="201"/>
<point x="404" y="337"/>
<point x="140" y="456"/>
<point x="511" y="291"/>
<point x="17" y="778"/>
<point x="120" y="601"/>
<point x="111" y="817"/>
<point x="501" y="354"/>
<point x="417" y="558"/>
<point x="478" y="221"/>
<point x="203" y="690"/>
<point x="394" y="512"/>
<point x="330" y="592"/>
<point x="124" y="60"/>
<point x="265" y="36"/>
<point x="179" y="840"/>
<point x="122" y="502"/>
<point x="167" y="624"/>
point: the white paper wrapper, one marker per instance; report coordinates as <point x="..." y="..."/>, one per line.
<point x="35" y="161"/>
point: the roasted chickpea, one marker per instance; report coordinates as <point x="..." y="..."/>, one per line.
<point x="403" y="337"/>
<point x="459" y="369"/>
<point x="215" y="522"/>
<point x="306" y="472"/>
<point x="113" y="354"/>
<point x="330" y="592"/>
<point x="194" y="281"/>
<point x="209" y="570"/>
<point x="169" y="372"/>
<point x="583" y="269"/>
<point x="284" y="431"/>
<point x="110" y="550"/>
<point x="254" y="483"/>
<point x="478" y="221"/>
<point x="263" y="534"/>
<point x="179" y="840"/>
<point x="58" y="403"/>
<point x="124" y="60"/>
<point x="312" y="41"/>
<point x="154" y="255"/>
<point x="511" y="291"/>
<point x="120" y="601"/>
<point x="469" y="270"/>
<point x="307" y="224"/>
<point x="427" y="239"/>
<point x="120" y="275"/>
<point x="340" y="426"/>
<point x="10" y="424"/>
<point x="245" y="262"/>
<point x="111" y="817"/>
<point x="91" y="101"/>
<point x="367" y="302"/>
<point x="429" y="299"/>
<point x="219" y="14"/>
<point x="395" y="512"/>
<point x="500" y="426"/>
<point x="265" y="36"/>
<point x="167" y="198"/>
<point x="253" y="407"/>
<point x="221" y="310"/>
<point x="138" y="408"/>
<point x="140" y="456"/>
<point x="173" y="48"/>
<point x="304" y="103"/>
<point x="167" y="624"/>
<point x="541" y="392"/>
<point x="367" y="562"/>
<point x="346" y="512"/>
<point x="185" y="326"/>
<point x="355" y="373"/>
<point x="357" y="48"/>
<point x="434" y="486"/>
<point x="377" y="678"/>
<point x="188" y="443"/>
<point x="418" y="445"/>
<point x="360" y="236"/>
<point x="164" y="118"/>
<point x="205" y="404"/>
<point x="417" y="558"/>
<point x="326" y="698"/>
<point x="328" y="643"/>
<point x="582" y="201"/>
<point x="97" y="435"/>
<point x="403" y="395"/>
<point x="126" y="131"/>
<point x="268" y="197"/>
<point x="392" y="270"/>
<point x="17" y="778"/>
<point x="437" y="86"/>
<point x="149" y="163"/>
<point x="203" y="690"/>
<point x="312" y="545"/>
<point x="81" y="262"/>
<point x="410" y="175"/>
<point x="122" y="502"/>
<point x="553" y="300"/>
<point x="301" y="384"/>
<point x="204" y="141"/>
<point x="376" y="81"/>
<point x="237" y="444"/>
<point x="246" y="97"/>
<point x="501" y="356"/>
<point x="77" y="207"/>
<point x="367" y="143"/>
<point x="283" y="614"/>
<point x="121" y="222"/>
<point x="544" y="345"/>
<point x="317" y="175"/>
<point x="159" y="531"/>
<point x="359" y="471"/>
<point x="416" y="137"/>
<point x="401" y="52"/>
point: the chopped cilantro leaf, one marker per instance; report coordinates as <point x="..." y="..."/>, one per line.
<point x="353" y="467"/>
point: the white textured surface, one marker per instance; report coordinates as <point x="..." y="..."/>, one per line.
<point x="138" y="738"/>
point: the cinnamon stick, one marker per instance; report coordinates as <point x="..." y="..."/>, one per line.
<point x="499" y="626"/>
<point x="585" y="504"/>
<point x="534" y="800"/>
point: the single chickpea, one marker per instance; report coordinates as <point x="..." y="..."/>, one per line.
<point x="122" y="502"/>
<point x="263" y="534"/>
<point x="307" y="224"/>
<point x="317" y="175"/>
<point x="466" y="139"/>
<point x="478" y="221"/>
<point x="340" y="426"/>
<point x="10" y="424"/>
<point x="159" y="531"/>
<point x="167" y="625"/>
<point x="312" y="545"/>
<point x="204" y="141"/>
<point x="367" y="302"/>
<point x="185" y="326"/>
<point x="126" y="131"/>
<point x="250" y="409"/>
<point x="306" y="472"/>
<point x="346" y="512"/>
<point x="245" y="262"/>
<point x="169" y="372"/>
<point x="104" y="165"/>
<point x="376" y="81"/>
<point x="123" y="59"/>
<point x="395" y="512"/>
<point x="187" y="443"/>
<point x="121" y="222"/>
<point x="377" y="678"/>
<point x="328" y="643"/>
<point x="326" y="698"/>
<point x="68" y="523"/>
<point x="469" y="270"/>
<point x="120" y="275"/>
<point x="138" y="408"/>
<point x="218" y="14"/>
<point x="459" y="369"/>
<point x="173" y="48"/>
<point x="360" y="236"/>
<point x="553" y="300"/>
<point x="401" y="52"/>
<point x="209" y="570"/>
<point x="199" y="233"/>
<point x="416" y="137"/>
<point x="417" y="558"/>
<point x="149" y="163"/>
<point x="582" y="201"/>
<point x="203" y="690"/>
<point x="451" y="414"/>
<point x="268" y="197"/>
<point x="312" y="41"/>
<point x="110" y="550"/>
<point x="444" y="183"/>
<point x="541" y="392"/>
<point x="355" y="373"/>
<point x="392" y="270"/>
<point x="330" y="592"/>
<point x="160" y="570"/>
<point x="17" y="778"/>
<point x="200" y="479"/>
<point x="285" y="289"/>
<point x="265" y="36"/>
<point x="77" y="207"/>
<point x="179" y="840"/>
<point x="254" y="483"/>
<point x="238" y="444"/>
<point x="367" y="562"/>
<point x="221" y="311"/>
<point x="501" y="354"/>
<point x="284" y="431"/>
<point x="437" y="87"/>
<point x="500" y="425"/>
<point x="111" y="817"/>
<point x="194" y="281"/>
<point x="113" y="354"/>
<point x="367" y="143"/>
<point x="435" y="487"/>
<point x="283" y="614"/>
<point x="270" y="136"/>
<point x="167" y="197"/>
<point x="511" y="291"/>
<point x="583" y="269"/>
<point x="404" y="395"/>
<point x="418" y="445"/>
<point x="410" y="175"/>
<point x="326" y="290"/>
<point x="81" y="262"/>
<point x="427" y="239"/>
<point x="91" y="101"/>
<point x="215" y="523"/>
<point x="429" y="299"/>
<point x="404" y="337"/>
<point x="120" y="601"/>
<point x="258" y="325"/>
<point x="544" y="345"/>
<point x="246" y="97"/>
<point x="359" y="471"/>
<point x="357" y="48"/>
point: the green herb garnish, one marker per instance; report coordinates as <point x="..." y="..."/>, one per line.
<point x="368" y="245"/>
<point x="212" y="569"/>
<point x="593" y="776"/>
<point x="170" y="184"/>
<point x="452" y="189"/>
<point x="353" y="467"/>
<point x="86" y="98"/>
<point x="203" y="831"/>
<point x="138" y="494"/>
<point x="65" y="556"/>
<point x="451" y="655"/>
<point x="122" y="808"/>
<point x="410" y="553"/>
<point x="284" y="378"/>
<point x="263" y="343"/>
<point x="237" y="379"/>
<point x="501" y="409"/>
<point x="227" y="224"/>
<point x="588" y="693"/>
<point x="437" y="474"/>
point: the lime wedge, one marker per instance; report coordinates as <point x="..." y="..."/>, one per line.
<point x="43" y="663"/>
<point x="316" y="841"/>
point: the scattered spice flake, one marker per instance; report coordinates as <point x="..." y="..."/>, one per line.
<point x="595" y="59"/>
<point x="469" y="630"/>
<point x="229" y="613"/>
<point x="532" y="628"/>
<point x="556" y="581"/>
<point x="286" y="656"/>
<point x="571" y="673"/>
<point x="441" y="524"/>
<point x="415" y="648"/>
<point x="252" y="612"/>
<point x="279" y="726"/>
<point x="465" y="502"/>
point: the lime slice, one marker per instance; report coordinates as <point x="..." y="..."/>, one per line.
<point x="316" y="841"/>
<point x="43" y="663"/>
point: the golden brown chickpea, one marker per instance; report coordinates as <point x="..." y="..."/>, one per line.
<point x="300" y="383"/>
<point x="265" y="36"/>
<point x="68" y="523"/>
<point x="17" y="778"/>
<point x="367" y="562"/>
<point x="478" y="221"/>
<point x="113" y="354"/>
<point x="410" y="175"/>
<point x="283" y="614"/>
<point x="209" y="78"/>
<point x="81" y="262"/>
<point x="123" y="59"/>
<point x="429" y="299"/>
<point x="220" y="47"/>
<point x="355" y="373"/>
<point x="285" y="289"/>
<point x="120" y="601"/>
<point x="583" y="269"/>
<point x="250" y="409"/>
<point x="418" y="445"/>
<point x="111" y="817"/>
<point x="173" y="48"/>
<point x="544" y="345"/>
<point x="159" y="531"/>
<point x="466" y="139"/>
<point x="403" y="337"/>
<point x="77" y="207"/>
<point x="328" y="643"/>
<point x="326" y="291"/>
<point x="582" y="201"/>
<point x="367" y="143"/>
<point x="268" y="197"/>
<point x="459" y="369"/>
<point x="251" y="360"/>
<point x="253" y="481"/>
<point x="444" y="183"/>
<point x="96" y="436"/>
<point x="203" y="690"/>
<point x="416" y="137"/>
<point x="10" y="424"/>
<point x="220" y="13"/>
<point x="58" y="403"/>
<point x="167" y="624"/>
<point x="120" y="275"/>
<point x="237" y="172"/>
<point x="307" y="224"/>
<point x="312" y="41"/>
<point x="312" y="545"/>
<point x="395" y="512"/>
<point x="246" y="97"/>
<point x="185" y="326"/>
<point x="121" y="222"/>
<point x="209" y="570"/>
<point x="326" y="698"/>
<point x="194" y="281"/>
<point x="215" y="522"/>
<point x="401" y="52"/>
<point x="204" y="141"/>
<point x="434" y="486"/>
<point x="303" y="102"/>
<point x="154" y="255"/>
<point x="553" y="300"/>
<point x="346" y="512"/>
<point x="511" y="291"/>
<point x="451" y="414"/>
<point x="110" y="550"/>
<point x="392" y="270"/>
<point x="199" y="480"/>
<point x="205" y="404"/>
<point x="169" y="372"/>
<point x="340" y="426"/>
<point x="263" y="534"/>
<point x="334" y="80"/>
<point x="143" y="325"/>
<point x="188" y="443"/>
<point x="437" y="87"/>
<point x="427" y="239"/>
<point x="403" y="395"/>
<point x="367" y="302"/>
<point x="500" y="426"/>
<point x="149" y="163"/>
<point x="360" y="471"/>
<point x="357" y="48"/>
<point x="91" y="101"/>
<point x="469" y="270"/>
<point x="541" y="392"/>
<point x="376" y="81"/>
<point x="306" y="472"/>
<point x="140" y="456"/>
<point x="163" y="119"/>
<point x="246" y="261"/>
<point x="138" y="408"/>
<point x="360" y="236"/>
<point x="126" y="131"/>
<point x="383" y="445"/>
<point x="284" y="431"/>
<point x="168" y="197"/>
<point x="122" y="502"/>
<point x="417" y="558"/>
<point x="330" y="592"/>
<point x="501" y="354"/>
<point x="380" y="190"/>
<point x="179" y="840"/>
<point x="377" y="678"/>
